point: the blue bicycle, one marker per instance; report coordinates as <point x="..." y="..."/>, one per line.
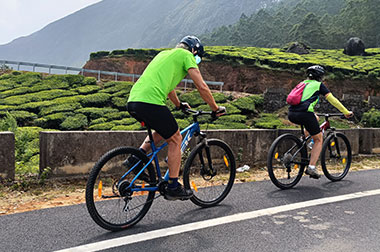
<point x="118" y="197"/>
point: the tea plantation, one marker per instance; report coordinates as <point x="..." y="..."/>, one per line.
<point x="32" y="102"/>
<point x="339" y="65"/>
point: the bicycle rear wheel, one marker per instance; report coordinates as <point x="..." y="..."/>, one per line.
<point x="210" y="171"/>
<point x="109" y="202"/>
<point x="336" y="156"/>
<point x="286" y="161"/>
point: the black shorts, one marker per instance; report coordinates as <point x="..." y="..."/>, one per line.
<point x="156" y="117"/>
<point x="307" y="119"/>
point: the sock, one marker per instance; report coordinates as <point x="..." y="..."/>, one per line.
<point x="142" y="150"/>
<point x="312" y="167"/>
<point x="173" y="183"/>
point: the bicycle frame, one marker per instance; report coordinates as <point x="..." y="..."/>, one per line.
<point x="189" y="132"/>
<point x="324" y="127"/>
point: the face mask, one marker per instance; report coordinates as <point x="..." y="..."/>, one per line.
<point x="197" y="59"/>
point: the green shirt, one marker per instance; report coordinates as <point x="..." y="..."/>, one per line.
<point x="161" y="76"/>
<point x="310" y="93"/>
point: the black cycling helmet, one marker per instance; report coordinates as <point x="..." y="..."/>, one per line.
<point x="193" y="43"/>
<point x="315" y="72"/>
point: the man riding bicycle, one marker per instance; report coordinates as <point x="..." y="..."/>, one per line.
<point x="147" y="103"/>
<point x="303" y="113"/>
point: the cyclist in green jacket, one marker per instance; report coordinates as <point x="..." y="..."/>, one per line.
<point x="147" y="103"/>
<point x="303" y="113"/>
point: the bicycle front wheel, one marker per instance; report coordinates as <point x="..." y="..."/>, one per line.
<point x="210" y="172"/>
<point x="111" y="202"/>
<point x="336" y="156"/>
<point x="286" y="161"/>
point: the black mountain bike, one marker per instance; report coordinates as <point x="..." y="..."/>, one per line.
<point x="288" y="156"/>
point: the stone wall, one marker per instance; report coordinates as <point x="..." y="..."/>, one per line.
<point x="75" y="153"/>
<point x="7" y="155"/>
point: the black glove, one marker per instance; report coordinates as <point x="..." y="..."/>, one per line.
<point x="183" y="106"/>
<point x="220" y="111"/>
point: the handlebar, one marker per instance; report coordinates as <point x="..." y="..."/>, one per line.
<point x="197" y="113"/>
<point x="341" y="115"/>
<point x="330" y="115"/>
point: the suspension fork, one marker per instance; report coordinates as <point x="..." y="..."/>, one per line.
<point x="336" y="143"/>
<point x="210" y="170"/>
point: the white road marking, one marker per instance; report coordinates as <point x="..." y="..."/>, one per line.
<point x="122" y="241"/>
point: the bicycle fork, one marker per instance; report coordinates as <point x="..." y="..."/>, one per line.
<point x="206" y="171"/>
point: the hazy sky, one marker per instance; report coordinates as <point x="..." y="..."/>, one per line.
<point x="23" y="17"/>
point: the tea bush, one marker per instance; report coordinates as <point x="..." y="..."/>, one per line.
<point x="76" y="122"/>
<point x="102" y="126"/>
<point x="94" y="112"/>
<point x="97" y="100"/>
<point x="268" y="121"/>
<point x="371" y="118"/>
<point x="66" y="107"/>
<point x="193" y="98"/>
<point x="88" y="89"/>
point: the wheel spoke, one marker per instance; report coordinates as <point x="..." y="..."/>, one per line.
<point x="284" y="159"/>
<point x="336" y="157"/>
<point x="210" y="173"/>
<point x="110" y="198"/>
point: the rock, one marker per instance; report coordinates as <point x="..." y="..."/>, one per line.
<point x="297" y="47"/>
<point x="354" y="47"/>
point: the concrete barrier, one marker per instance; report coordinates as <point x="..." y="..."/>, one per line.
<point x="74" y="153"/>
<point x="7" y="155"/>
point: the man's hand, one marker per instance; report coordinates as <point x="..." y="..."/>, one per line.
<point x="183" y="106"/>
<point x="350" y="114"/>
<point x="219" y="112"/>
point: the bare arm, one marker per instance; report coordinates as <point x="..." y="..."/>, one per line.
<point x="174" y="98"/>
<point x="202" y="87"/>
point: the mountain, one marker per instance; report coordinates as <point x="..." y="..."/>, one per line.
<point x="120" y="24"/>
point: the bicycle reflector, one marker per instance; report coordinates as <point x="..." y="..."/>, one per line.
<point x="276" y="155"/>
<point x="225" y="160"/>
<point x="332" y="144"/>
<point x="100" y="188"/>
<point x="343" y="160"/>
<point x="194" y="186"/>
<point x="296" y="166"/>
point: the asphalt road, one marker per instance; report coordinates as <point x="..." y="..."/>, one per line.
<point x="316" y="215"/>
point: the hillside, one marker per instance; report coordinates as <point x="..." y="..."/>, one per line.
<point x="253" y="70"/>
<point x="115" y="24"/>
<point x="324" y="24"/>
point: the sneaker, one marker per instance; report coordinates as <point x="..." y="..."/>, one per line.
<point x="178" y="193"/>
<point x="313" y="173"/>
<point x="130" y="162"/>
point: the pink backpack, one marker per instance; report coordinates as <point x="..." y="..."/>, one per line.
<point x="295" y="96"/>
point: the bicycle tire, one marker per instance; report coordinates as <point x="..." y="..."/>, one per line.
<point x="108" y="204"/>
<point x="210" y="187"/>
<point x="336" y="165"/>
<point x="285" y="171"/>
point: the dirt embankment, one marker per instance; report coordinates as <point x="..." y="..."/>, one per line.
<point x="241" y="78"/>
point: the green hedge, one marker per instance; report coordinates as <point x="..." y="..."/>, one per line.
<point x="88" y="89"/>
<point x="94" y="112"/>
<point x="371" y="118"/>
<point x="52" y="121"/>
<point x="97" y="100"/>
<point x="76" y="122"/>
<point x="268" y="121"/>
<point x="66" y="107"/>
<point x="193" y="98"/>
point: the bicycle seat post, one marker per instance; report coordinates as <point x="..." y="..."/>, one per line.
<point x="303" y="132"/>
<point x="151" y="141"/>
